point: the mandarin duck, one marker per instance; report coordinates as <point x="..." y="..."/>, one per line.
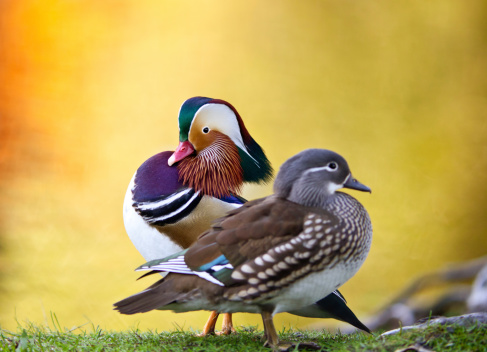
<point x="277" y="254"/>
<point x="174" y="196"/>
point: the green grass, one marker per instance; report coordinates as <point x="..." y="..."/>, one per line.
<point x="437" y="338"/>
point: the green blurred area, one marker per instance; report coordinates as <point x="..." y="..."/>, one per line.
<point x="92" y="89"/>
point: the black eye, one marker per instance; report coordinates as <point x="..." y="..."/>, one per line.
<point x="332" y="165"/>
<point x="206" y="129"/>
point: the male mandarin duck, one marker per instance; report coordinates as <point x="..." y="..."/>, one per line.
<point x="277" y="254"/>
<point x="174" y="197"/>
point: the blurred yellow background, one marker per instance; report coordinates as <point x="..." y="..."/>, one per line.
<point x="90" y="89"/>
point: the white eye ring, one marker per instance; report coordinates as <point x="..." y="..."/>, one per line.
<point x="206" y="129"/>
<point x="332" y="166"/>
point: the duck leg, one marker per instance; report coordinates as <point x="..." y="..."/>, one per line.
<point x="209" y="328"/>
<point x="227" y="325"/>
<point x="272" y="339"/>
<point x="270" y="331"/>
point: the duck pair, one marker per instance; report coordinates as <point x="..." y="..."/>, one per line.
<point x="289" y="252"/>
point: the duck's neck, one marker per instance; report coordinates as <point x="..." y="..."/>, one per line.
<point x="216" y="170"/>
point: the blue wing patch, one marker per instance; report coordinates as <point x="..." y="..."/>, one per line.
<point x="233" y="199"/>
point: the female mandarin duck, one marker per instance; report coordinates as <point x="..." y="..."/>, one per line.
<point x="276" y="254"/>
<point x="174" y="197"/>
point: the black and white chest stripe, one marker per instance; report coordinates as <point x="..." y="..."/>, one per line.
<point x="168" y="209"/>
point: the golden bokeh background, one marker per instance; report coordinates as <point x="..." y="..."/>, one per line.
<point x="90" y="89"/>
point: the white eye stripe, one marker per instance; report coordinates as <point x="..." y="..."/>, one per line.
<point x="321" y="168"/>
<point x="224" y="120"/>
<point x="315" y="169"/>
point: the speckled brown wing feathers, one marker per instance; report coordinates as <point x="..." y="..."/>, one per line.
<point x="271" y="243"/>
<point x="292" y="256"/>
<point x="247" y="232"/>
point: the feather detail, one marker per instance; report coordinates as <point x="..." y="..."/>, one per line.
<point x="256" y="166"/>
<point x="176" y="264"/>
<point x="215" y="171"/>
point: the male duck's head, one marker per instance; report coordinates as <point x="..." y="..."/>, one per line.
<point x="216" y="153"/>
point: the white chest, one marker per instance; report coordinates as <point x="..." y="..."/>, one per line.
<point x="154" y="242"/>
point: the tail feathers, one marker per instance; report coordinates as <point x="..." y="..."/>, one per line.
<point x="154" y="297"/>
<point x="336" y="307"/>
<point x="332" y="306"/>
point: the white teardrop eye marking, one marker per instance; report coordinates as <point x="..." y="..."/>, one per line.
<point x="331" y="166"/>
<point x="206" y="129"/>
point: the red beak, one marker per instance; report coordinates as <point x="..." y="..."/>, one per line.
<point x="182" y="151"/>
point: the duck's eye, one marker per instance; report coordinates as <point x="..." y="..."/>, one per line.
<point x="332" y="166"/>
<point x="206" y="129"/>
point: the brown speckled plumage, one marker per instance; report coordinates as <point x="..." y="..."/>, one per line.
<point x="324" y="237"/>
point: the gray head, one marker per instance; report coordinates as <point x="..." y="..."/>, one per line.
<point x="312" y="177"/>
